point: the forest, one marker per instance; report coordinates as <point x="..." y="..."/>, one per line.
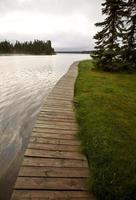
<point x="36" y="47"/>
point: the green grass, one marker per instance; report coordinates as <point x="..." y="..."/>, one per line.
<point x="105" y="106"/>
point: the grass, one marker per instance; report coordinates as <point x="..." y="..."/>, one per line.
<point x="105" y="106"/>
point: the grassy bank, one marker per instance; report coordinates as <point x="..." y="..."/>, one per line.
<point x="106" y="112"/>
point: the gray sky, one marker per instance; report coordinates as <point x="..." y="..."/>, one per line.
<point x="69" y="24"/>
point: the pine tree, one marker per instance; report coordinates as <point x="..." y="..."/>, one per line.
<point x="129" y="37"/>
<point x="106" y="53"/>
<point x="6" y="47"/>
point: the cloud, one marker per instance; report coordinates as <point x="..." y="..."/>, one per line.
<point x="69" y="24"/>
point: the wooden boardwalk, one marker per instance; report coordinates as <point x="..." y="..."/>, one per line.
<point x="53" y="167"/>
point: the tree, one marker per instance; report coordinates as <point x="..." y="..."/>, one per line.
<point x="106" y="54"/>
<point x="6" y="47"/>
<point x="129" y="37"/>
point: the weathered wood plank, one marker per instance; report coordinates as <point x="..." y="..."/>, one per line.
<point x="51" y="195"/>
<point x="54" y="154"/>
<point x="57" y="102"/>
<point x="54" y="141"/>
<point x="53" y="147"/>
<point x="54" y="198"/>
<point x="64" y="123"/>
<point x="55" y="127"/>
<point x="57" y="113"/>
<point x="51" y="183"/>
<point x="61" y="118"/>
<point x="60" y="98"/>
<point x="57" y="108"/>
<point x="51" y="130"/>
<point x="57" y="121"/>
<point x="53" y="172"/>
<point x="53" y="135"/>
<point x="57" y="124"/>
<point x="48" y="162"/>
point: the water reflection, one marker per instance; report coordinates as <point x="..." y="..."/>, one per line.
<point x="25" y="82"/>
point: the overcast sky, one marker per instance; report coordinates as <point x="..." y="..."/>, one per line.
<point x="69" y="24"/>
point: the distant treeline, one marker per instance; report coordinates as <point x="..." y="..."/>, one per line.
<point x="75" y="52"/>
<point x="33" y="47"/>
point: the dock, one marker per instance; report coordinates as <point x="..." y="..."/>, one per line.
<point x="53" y="167"/>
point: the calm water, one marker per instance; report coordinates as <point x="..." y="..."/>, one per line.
<point x="25" y="82"/>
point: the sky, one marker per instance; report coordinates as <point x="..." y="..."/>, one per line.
<point x="69" y="24"/>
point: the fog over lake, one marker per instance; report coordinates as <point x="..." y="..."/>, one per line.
<point x="25" y="82"/>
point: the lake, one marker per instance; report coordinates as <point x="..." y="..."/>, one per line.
<point x="25" y="82"/>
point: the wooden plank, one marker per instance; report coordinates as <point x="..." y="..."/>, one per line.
<point x="53" y="172"/>
<point x="66" y="94"/>
<point x="65" y="123"/>
<point x="55" y="127"/>
<point x="55" y="198"/>
<point x="53" y="147"/>
<point x="54" y="141"/>
<point x="57" y="108"/>
<point x="57" y="124"/>
<point x="48" y="119"/>
<point x="59" y="91"/>
<point x="53" y="135"/>
<point x="57" y="104"/>
<point x="57" y="113"/>
<point x="48" y="162"/>
<point x="51" y="130"/>
<point x="68" y="89"/>
<point x="51" y="195"/>
<point x="54" y="154"/>
<point x="57" y="117"/>
<point x="62" y="99"/>
<point x="51" y="183"/>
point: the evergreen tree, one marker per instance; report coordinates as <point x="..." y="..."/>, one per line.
<point x="129" y="37"/>
<point x="6" y="47"/>
<point x="106" y="53"/>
